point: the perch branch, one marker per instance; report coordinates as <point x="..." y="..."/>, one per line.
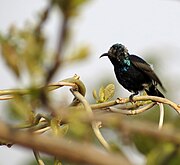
<point x="76" y="83"/>
<point x="152" y="98"/>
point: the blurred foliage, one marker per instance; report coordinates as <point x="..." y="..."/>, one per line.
<point x="21" y="109"/>
<point x="164" y="153"/>
<point x="80" y="54"/>
<point x="46" y="160"/>
<point x="25" y="53"/>
<point x="70" y="8"/>
<point x="49" y="161"/>
<point x="144" y="144"/>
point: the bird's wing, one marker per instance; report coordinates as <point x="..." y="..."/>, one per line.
<point x="142" y="65"/>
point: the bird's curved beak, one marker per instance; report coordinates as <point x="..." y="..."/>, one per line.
<point x="105" y="54"/>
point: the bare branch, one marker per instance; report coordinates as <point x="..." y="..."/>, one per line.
<point x="152" y="98"/>
<point x="132" y="112"/>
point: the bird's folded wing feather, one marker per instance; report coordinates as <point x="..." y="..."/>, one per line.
<point x="142" y="65"/>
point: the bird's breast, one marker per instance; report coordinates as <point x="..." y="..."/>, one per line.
<point x="131" y="78"/>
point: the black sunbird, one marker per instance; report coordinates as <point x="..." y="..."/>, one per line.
<point x="132" y="72"/>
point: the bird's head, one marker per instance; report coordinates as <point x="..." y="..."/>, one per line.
<point x="116" y="53"/>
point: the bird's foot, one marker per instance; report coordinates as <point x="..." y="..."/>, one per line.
<point x="131" y="97"/>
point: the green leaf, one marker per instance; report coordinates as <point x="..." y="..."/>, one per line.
<point x="101" y="94"/>
<point x="95" y="94"/>
<point x="79" y="130"/>
<point x="109" y="91"/>
<point x="79" y="54"/>
<point x="55" y="125"/>
<point x="23" y="50"/>
<point x="64" y="129"/>
<point x="11" y="56"/>
<point x="21" y="109"/>
<point x="57" y="129"/>
<point x="32" y="52"/>
<point x="57" y="162"/>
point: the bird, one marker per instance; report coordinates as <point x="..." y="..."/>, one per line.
<point x="133" y="72"/>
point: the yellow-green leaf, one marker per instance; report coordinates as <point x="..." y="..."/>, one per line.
<point x="55" y="126"/>
<point x="101" y="94"/>
<point x="11" y="56"/>
<point x="109" y="91"/>
<point x="64" y="129"/>
<point x="79" y="54"/>
<point x="21" y="109"/>
<point x="95" y="94"/>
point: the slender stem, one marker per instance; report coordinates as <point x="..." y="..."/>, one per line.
<point x="95" y="125"/>
<point x="6" y="97"/>
<point x="38" y="158"/>
<point x="161" y="117"/>
<point x="103" y="105"/>
<point x="57" y="61"/>
<point x="40" y="131"/>
<point x="43" y="19"/>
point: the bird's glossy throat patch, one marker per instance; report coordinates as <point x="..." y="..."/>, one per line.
<point x="127" y="62"/>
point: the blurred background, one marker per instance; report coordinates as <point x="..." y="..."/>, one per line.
<point x="149" y="29"/>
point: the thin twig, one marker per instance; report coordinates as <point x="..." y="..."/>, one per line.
<point x="132" y="112"/>
<point x="43" y="19"/>
<point x="135" y="105"/>
<point x="6" y="97"/>
<point x="95" y="125"/>
<point x="161" y="117"/>
<point x="38" y="158"/>
<point x="40" y="131"/>
<point x="57" y="60"/>
<point x="10" y="92"/>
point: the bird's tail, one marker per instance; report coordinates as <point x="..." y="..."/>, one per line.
<point x="153" y="91"/>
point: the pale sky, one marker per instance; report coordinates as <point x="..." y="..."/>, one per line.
<point x="143" y="26"/>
